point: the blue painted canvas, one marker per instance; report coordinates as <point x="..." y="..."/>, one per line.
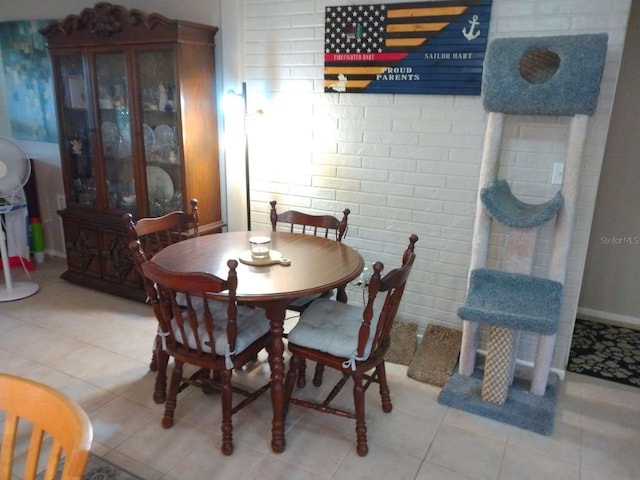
<point x="28" y="82"/>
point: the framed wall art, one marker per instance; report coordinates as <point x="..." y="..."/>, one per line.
<point x="414" y="48"/>
<point x="28" y="87"/>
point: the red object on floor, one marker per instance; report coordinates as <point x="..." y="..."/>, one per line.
<point x="18" y="262"/>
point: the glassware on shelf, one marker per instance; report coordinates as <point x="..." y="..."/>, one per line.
<point x="165" y="135"/>
<point x="85" y="191"/>
<point x="110" y="138"/>
<point x="124" y="122"/>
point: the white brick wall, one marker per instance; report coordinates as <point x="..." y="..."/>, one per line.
<point x="409" y="163"/>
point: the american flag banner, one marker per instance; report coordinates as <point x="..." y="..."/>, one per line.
<point x="432" y="47"/>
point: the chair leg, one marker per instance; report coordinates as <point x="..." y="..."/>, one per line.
<point x="294" y="369"/>
<point x="226" y="400"/>
<point x="361" y="425"/>
<point x="302" y="373"/>
<point x="384" y="388"/>
<point x="317" y="375"/>
<point x="172" y="399"/>
<point x="160" y="387"/>
<point x="153" y="365"/>
<point x="341" y="294"/>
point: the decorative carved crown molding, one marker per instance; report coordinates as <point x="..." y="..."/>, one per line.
<point x="106" y="20"/>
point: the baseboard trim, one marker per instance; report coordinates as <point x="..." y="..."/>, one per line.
<point x="608" y="317"/>
<point x="54" y="253"/>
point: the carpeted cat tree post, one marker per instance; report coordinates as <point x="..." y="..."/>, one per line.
<point x="523" y="76"/>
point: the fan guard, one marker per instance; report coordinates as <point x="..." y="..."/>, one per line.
<point x="15" y="167"/>
<point x="15" y="170"/>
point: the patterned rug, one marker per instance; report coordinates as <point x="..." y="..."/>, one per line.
<point x="100" y="469"/>
<point x="605" y="351"/>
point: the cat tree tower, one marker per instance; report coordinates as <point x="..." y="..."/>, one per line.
<point x="557" y="76"/>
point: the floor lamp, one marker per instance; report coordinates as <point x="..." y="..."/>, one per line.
<point x="246" y="154"/>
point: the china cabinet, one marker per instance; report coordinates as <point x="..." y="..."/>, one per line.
<point x="135" y="96"/>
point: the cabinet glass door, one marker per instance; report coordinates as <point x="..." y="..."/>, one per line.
<point x="115" y="130"/>
<point x="157" y="75"/>
<point x="75" y="127"/>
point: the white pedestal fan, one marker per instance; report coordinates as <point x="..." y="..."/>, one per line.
<point x="15" y="169"/>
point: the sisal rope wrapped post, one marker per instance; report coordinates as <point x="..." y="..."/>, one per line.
<point x="497" y="372"/>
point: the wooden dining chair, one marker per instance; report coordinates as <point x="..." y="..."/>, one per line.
<point x="46" y="413"/>
<point x="326" y="226"/>
<point x="216" y="336"/>
<point x="351" y="340"/>
<point x="154" y="234"/>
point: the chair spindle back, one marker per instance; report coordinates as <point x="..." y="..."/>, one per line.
<point x="193" y="314"/>
<point x="394" y="284"/>
<point x="48" y="413"/>
<point x="155" y="233"/>
<point x="318" y="225"/>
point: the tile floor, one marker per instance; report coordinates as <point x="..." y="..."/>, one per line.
<point x="96" y="348"/>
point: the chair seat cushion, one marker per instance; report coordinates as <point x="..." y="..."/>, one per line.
<point x="252" y="324"/>
<point x="302" y="301"/>
<point x="332" y="327"/>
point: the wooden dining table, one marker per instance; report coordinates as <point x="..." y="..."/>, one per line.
<point x="316" y="265"/>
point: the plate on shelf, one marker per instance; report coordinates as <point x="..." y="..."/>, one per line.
<point x="129" y="199"/>
<point x="149" y="137"/>
<point x="159" y="184"/>
<point x="165" y="135"/>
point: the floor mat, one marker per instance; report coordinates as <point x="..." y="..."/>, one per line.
<point x="403" y="343"/>
<point x="437" y="355"/>
<point x="605" y="351"/>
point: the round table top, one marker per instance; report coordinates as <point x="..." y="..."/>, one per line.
<point x="317" y="264"/>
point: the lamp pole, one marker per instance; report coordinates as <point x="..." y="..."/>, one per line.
<point x="246" y="155"/>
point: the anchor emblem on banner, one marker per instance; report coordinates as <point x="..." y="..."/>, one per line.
<point x="472" y="33"/>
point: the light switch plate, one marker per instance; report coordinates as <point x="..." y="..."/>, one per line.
<point x="558" y="172"/>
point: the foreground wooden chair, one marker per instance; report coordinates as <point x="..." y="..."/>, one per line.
<point x="213" y="335"/>
<point x="326" y="226"/>
<point x="154" y="234"/>
<point x="49" y="412"/>
<point x="352" y="341"/>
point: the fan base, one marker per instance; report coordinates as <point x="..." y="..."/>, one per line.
<point x="18" y="290"/>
